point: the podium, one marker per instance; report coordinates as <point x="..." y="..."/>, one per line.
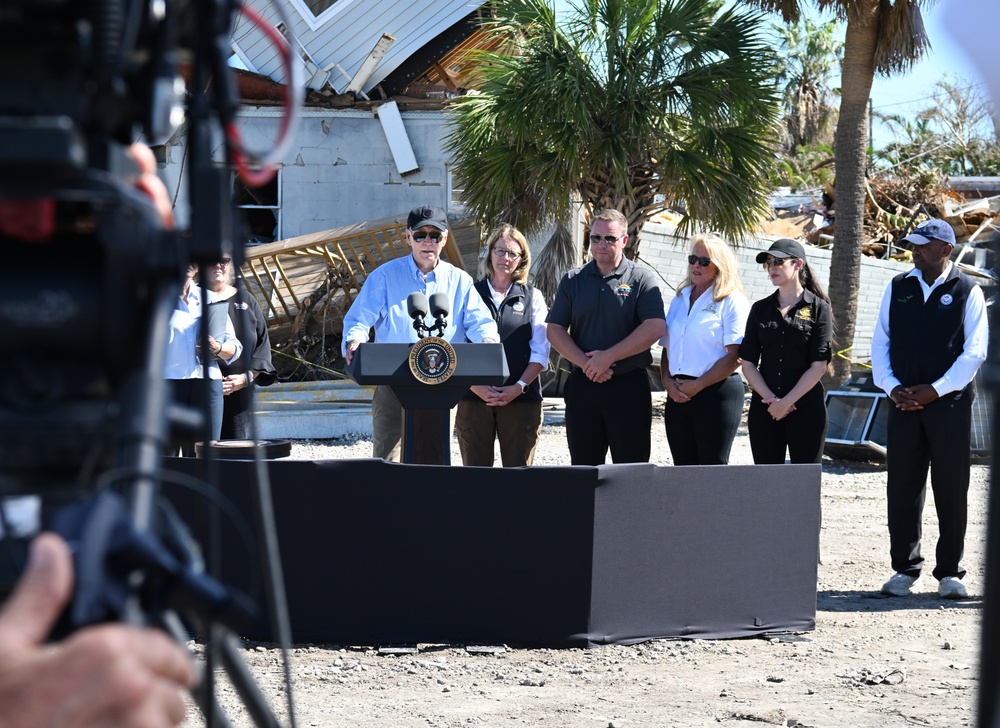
<point x="426" y="426"/>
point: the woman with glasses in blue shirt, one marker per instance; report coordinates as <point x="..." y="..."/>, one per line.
<point x="786" y="351"/>
<point x="705" y="325"/>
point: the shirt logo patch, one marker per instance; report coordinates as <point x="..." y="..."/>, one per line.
<point x="623" y="290"/>
<point x="946" y="299"/>
<point x="713" y="307"/>
<point x="518" y="307"/>
<point x="804" y="313"/>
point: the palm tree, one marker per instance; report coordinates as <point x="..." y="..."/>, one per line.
<point x="630" y="104"/>
<point x="810" y="53"/>
<point x="883" y="36"/>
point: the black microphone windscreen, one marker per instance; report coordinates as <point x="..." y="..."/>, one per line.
<point x="440" y="305"/>
<point x="416" y="304"/>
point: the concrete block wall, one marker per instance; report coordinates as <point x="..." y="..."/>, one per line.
<point x="666" y="253"/>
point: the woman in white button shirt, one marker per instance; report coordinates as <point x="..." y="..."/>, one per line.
<point x="705" y="325"/>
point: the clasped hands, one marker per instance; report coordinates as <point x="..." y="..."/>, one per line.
<point x="233" y="383"/>
<point x="777" y="408"/>
<point x="911" y="399"/>
<point x="497" y="396"/>
<point x="681" y="390"/>
<point x="599" y="366"/>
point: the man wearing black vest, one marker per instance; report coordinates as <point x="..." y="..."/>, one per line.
<point x="929" y="341"/>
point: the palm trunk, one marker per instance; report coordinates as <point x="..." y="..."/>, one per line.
<point x="598" y="194"/>
<point x="850" y="156"/>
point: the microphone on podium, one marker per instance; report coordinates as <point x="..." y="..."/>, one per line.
<point x="440" y="308"/>
<point x="416" y="307"/>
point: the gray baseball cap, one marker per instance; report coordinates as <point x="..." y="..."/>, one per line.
<point x="427" y="215"/>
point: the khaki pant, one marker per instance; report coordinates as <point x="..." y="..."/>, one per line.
<point x="517" y="425"/>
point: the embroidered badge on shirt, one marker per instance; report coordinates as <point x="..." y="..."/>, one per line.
<point x="946" y="299"/>
<point x="623" y="290"/>
<point x="713" y="307"/>
<point x="518" y="307"/>
<point x="804" y="313"/>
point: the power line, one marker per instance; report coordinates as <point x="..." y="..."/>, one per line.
<point x="929" y="98"/>
<point x="933" y="97"/>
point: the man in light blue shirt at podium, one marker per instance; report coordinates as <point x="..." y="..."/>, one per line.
<point x="381" y="305"/>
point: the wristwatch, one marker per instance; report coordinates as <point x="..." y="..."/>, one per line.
<point x="523" y="385"/>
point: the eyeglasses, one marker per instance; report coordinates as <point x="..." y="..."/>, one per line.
<point x="774" y="262"/>
<point x="700" y="260"/>
<point x="509" y="254"/>
<point x="224" y="263"/>
<point x="606" y="239"/>
<point x="421" y="237"/>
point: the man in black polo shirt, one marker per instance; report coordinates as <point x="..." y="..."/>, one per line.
<point x="930" y="338"/>
<point x="604" y="318"/>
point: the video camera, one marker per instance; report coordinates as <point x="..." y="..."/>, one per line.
<point x="87" y="257"/>
<point x="90" y="276"/>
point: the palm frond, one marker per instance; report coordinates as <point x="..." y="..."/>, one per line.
<point x="558" y="256"/>
<point x="618" y="104"/>
<point x="902" y="39"/>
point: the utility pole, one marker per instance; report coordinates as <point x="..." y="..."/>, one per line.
<point x="871" y="138"/>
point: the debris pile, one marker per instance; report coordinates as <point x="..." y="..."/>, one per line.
<point x="894" y="205"/>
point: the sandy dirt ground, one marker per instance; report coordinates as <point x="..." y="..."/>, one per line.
<point x="872" y="661"/>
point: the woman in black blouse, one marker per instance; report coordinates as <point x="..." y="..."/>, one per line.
<point x="253" y="368"/>
<point x="785" y="352"/>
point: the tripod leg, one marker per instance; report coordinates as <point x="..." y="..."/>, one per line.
<point x="239" y="674"/>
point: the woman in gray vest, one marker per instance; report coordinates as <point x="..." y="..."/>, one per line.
<point x="511" y="413"/>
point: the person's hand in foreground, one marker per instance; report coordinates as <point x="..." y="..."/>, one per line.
<point x="109" y="675"/>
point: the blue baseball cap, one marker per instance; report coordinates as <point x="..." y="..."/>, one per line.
<point x="931" y="230"/>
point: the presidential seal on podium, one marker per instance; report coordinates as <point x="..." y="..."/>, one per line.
<point x="432" y="360"/>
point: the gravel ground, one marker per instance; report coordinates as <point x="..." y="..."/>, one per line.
<point x="871" y="661"/>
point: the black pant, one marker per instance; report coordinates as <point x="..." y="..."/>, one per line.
<point x="701" y="431"/>
<point x="199" y="393"/>
<point x="936" y="438"/>
<point x="802" y="432"/>
<point x="616" y="414"/>
<point x="236" y="414"/>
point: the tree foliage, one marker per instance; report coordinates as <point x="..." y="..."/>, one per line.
<point x="631" y="104"/>
<point x="953" y="136"/>
<point x="810" y="55"/>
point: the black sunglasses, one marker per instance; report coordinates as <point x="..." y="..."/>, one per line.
<point x="607" y="239"/>
<point x="420" y="237"/>
<point x="774" y="263"/>
<point x="700" y="260"/>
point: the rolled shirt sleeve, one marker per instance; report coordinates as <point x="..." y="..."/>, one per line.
<point x="539" y="345"/>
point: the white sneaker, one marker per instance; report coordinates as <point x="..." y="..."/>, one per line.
<point x="900" y="585"/>
<point x="951" y="588"/>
